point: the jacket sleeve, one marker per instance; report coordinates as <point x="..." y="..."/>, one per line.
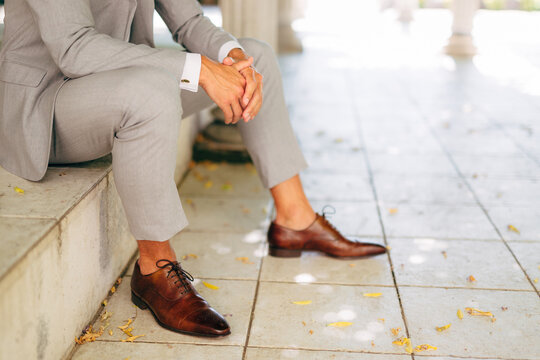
<point x="68" y="30"/>
<point x="191" y="29"/>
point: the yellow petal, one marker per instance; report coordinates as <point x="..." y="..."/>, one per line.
<point x="226" y="187"/>
<point x="338" y="140"/>
<point x="340" y="324"/>
<point x="536" y="280"/>
<point x="459" y="314"/>
<point x="104" y="302"/>
<point x="208" y="184"/>
<point x="393" y="211"/>
<point x="303" y="302"/>
<point x="210" y="286"/>
<point x="244" y="259"/>
<point x="113" y="289"/>
<point x="352" y="265"/>
<point x="395" y="331"/>
<point x="18" y="190"/>
<point x="442" y="328"/>
<point x="425" y="347"/>
<point x="381" y="319"/>
<point x="110" y="332"/>
<point x="471" y="278"/>
<point x="513" y="228"/>
<point x="372" y="294"/>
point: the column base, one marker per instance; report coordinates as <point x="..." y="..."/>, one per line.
<point x="460" y="45"/>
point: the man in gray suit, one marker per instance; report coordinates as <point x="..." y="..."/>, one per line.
<point x="81" y="78"/>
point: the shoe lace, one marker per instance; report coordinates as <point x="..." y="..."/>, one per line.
<point x="176" y="271"/>
<point x="326" y="214"/>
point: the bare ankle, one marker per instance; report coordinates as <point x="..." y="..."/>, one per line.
<point x="152" y="251"/>
<point x="296" y="221"/>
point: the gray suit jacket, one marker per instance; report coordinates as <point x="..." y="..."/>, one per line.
<point x="47" y="42"/>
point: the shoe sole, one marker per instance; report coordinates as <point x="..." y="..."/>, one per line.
<point x="287" y="253"/>
<point x="141" y="304"/>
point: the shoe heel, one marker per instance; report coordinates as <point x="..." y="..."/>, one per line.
<point x="285" y="253"/>
<point x="138" y="302"/>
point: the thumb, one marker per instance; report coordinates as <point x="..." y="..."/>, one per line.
<point x="228" y="61"/>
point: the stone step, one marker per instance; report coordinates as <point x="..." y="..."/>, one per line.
<point x="64" y="242"/>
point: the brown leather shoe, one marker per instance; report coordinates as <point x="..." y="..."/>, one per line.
<point x="174" y="302"/>
<point x="319" y="236"/>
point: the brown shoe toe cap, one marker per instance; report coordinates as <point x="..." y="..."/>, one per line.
<point x="206" y="321"/>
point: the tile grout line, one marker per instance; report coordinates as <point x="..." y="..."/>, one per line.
<point x="255" y="297"/>
<point x="357" y="116"/>
<point x="469" y="187"/>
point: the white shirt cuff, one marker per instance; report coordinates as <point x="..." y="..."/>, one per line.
<point x="191" y="72"/>
<point x="226" y="48"/>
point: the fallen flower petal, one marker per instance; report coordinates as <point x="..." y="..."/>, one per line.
<point x="513" y="228"/>
<point x="442" y="328"/>
<point x="132" y="338"/>
<point x="372" y="294"/>
<point x="208" y="184"/>
<point x="460" y="314"/>
<point x="471" y="278"/>
<point x="244" y="259"/>
<point x="210" y="286"/>
<point x="476" y="312"/>
<point x="425" y="347"/>
<point x="393" y="211"/>
<point x="340" y="324"/>
<point x="395" y="331"/>
<point x="18" y="190"/>
<point x="304" y="302"/>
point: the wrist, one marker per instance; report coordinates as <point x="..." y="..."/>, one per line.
<point x="204" y="70"/>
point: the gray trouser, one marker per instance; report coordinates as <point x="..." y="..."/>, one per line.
<point x="135" y="113"/>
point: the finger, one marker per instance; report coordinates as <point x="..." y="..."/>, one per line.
<point x="228" y="61"/>
<point x="242" y="64"/>
<point x="228" y="113"/>
<point x="237" y="110"/>
<point x="251" y="86"/>
<point x="253" y="107"/>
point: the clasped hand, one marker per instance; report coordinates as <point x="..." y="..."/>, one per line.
<point x="234" y="86"/>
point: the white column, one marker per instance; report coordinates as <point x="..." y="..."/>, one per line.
<point x="251" y="18"/>
<point x="289" y="10"/>
<point x="461" y="42"/>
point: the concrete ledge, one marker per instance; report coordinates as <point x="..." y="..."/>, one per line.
<point x="65" y="241"/>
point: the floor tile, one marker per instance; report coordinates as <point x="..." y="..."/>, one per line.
<point x="314" y="267"/>
<point x="523" y="219"/>
<point x="153" y="351"/>
<point x="232" y="256"/>
<point x="66" y="186"/>
<point x="421" y="165"/>
<point x="512" y="335"/>
<point x="449" y="263"/>
<point x="437" y="221"/>
<point x="306" y="326"/>
<point x="273" y="354"/>
<point x="498" y="192"/>
<point x="351" y="218"/>
<point x="233" y="300"/>
<point x="508" y="167"/>
<point x="348" y="187"/>
<point x="343" y="161"/>
<point x="414" y="189"/>
<point x="225" y="214"/>
<point x="223" y="180"/>
<point x="527" y="255"/>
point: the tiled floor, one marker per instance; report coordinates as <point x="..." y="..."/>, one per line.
<point x="432" y="156"/>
